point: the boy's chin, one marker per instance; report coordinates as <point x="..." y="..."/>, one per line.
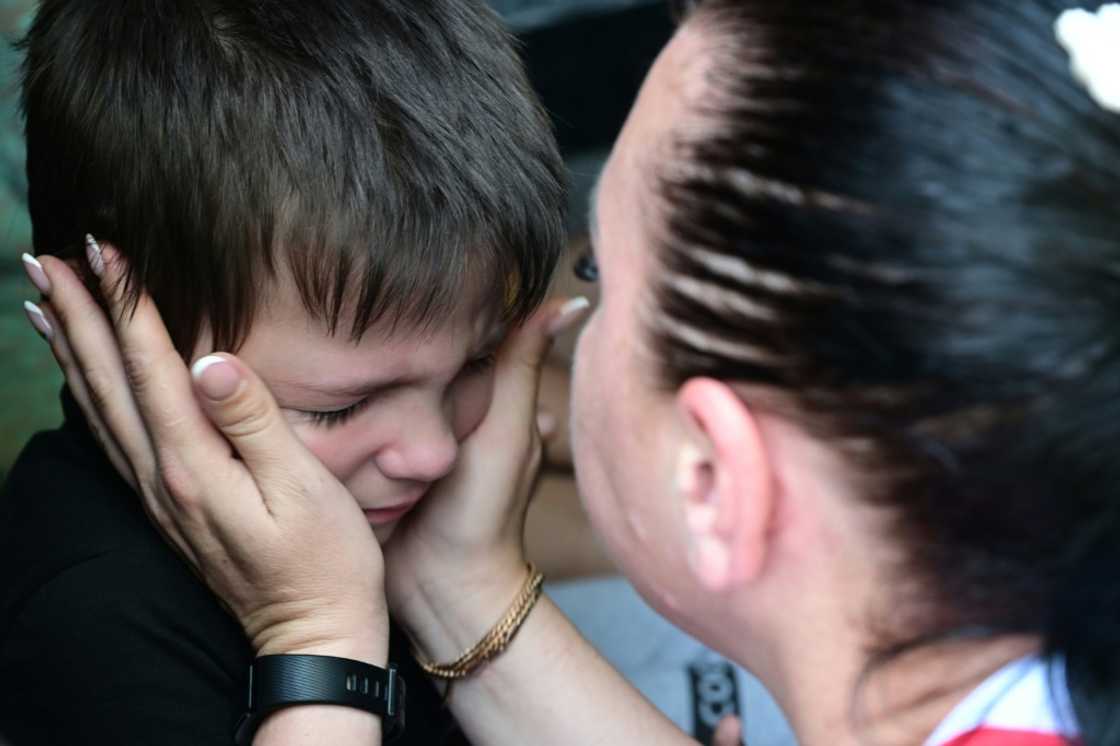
<point x="384" y="531"/>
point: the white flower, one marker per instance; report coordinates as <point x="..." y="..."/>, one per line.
<point x="1093" y="43"/>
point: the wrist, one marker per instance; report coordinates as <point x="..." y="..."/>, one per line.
<point x="365" y="640"/>
<point x="445" y="617"/>
<point x="344" y="694"/>
<point x="364" y="648"/>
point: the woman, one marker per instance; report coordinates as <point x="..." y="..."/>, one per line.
<point x="846" y="411"/>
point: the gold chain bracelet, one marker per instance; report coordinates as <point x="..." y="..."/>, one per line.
<point x="496" y="640"/>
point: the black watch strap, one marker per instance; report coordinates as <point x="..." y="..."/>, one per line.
<point x="278" y="681"/>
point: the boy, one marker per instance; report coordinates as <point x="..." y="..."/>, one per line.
<point x="357" y="197"/>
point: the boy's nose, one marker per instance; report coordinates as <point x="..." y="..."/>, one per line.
<point x="421" y="453"/>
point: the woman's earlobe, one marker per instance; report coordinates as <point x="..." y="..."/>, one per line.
<point x="710" y="560"/>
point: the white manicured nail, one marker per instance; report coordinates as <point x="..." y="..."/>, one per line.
<point x="93" y="255"/>
<point x="36" y="274"/>
<point x="217" y="382"/>
<point x="567" y="315"/>
<point x="203" y="363"/>
<point x="37" y="319"/>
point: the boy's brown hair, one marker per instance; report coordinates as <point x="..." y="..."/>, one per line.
<point x="384" y="154"/>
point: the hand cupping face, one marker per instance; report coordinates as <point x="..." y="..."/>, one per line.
<point x="271" y="531"/>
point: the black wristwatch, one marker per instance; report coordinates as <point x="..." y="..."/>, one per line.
<point x="278" y="681"/>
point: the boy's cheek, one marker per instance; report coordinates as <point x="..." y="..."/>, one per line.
<point x="472" y="401"/>
<point x="333" y="450"/>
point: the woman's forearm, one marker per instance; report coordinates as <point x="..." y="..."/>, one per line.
<point x="318" y="724"/>
<point x="550" y="687"/>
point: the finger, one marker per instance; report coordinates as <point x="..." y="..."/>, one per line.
<point x="553" y="399"/>
<point x="531" y="343"/>
<point x="546" y="424"/>
<point x="195" y="469"/>
<point x="96" y="370"/>
<point x="520" y="360"/>
<point x="76" y="384"/>
<point x="729" y="732"/>
<point x="240" y="405"/>
<point x="184" y="442"/>
<point x="567" y="315"/>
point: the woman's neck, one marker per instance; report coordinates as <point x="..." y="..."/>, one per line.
<point x="837" y="697"/>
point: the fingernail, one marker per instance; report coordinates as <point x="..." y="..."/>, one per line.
<point x="36" y="274"/>
<point x="93" y="255"/>
<point x="37" y="319"/>
<point x="216" y="377"/>
<point x="567" y="315"/>
<point x="546" y="424"/>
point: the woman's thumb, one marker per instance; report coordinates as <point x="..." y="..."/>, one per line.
<point x="240" y="405"/>
<point x="528" y="346"/>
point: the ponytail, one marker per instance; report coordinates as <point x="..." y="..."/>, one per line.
<point x="1084" y="631"/>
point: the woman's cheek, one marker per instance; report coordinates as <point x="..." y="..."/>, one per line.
<point x="473" y="396"/>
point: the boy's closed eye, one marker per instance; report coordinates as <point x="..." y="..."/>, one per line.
<point x="332" y="418"/>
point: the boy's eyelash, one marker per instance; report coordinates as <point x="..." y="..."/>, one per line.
<point x="479" y="365"/>
<point x="335" y="417"/>
<point x="339" y="416"/>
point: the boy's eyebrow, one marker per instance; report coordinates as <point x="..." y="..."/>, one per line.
<point x="491" y="340"/>
<point x="354" y="390"/>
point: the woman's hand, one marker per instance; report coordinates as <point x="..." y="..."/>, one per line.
<point x="219" y="471"/>
<point x="457" y="562"/>
<point x="552" y="415"/>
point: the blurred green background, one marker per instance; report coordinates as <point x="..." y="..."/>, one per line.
<point x="29" y="393"/>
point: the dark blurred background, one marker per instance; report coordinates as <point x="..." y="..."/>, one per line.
<point x="586" y="57"/>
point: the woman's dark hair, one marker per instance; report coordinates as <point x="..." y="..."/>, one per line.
<point x="903" y="217"/>
<point x="388" y="154"/>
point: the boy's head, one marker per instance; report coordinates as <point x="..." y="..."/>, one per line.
<point x="353" y="194"/>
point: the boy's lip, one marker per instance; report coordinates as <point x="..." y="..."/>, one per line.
<point x="392" y="513"/>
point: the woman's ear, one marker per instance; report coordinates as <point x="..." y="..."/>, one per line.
<point x="725" y="483"/>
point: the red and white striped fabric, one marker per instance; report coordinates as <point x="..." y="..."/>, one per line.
<point x="1025" y="703"/>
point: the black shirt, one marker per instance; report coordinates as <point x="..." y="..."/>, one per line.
<point x="106" y="636"/>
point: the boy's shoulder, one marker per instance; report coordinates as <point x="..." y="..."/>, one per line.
<point x="107" y="629"/>
<point x="110" y="634"/>
<point x="63" y="504"/>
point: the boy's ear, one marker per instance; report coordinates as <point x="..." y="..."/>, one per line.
<point x="725" y="483"/>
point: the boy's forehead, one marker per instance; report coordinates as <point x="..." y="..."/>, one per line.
<point x="473" y="311"/>
<point x="296" y="353"/>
